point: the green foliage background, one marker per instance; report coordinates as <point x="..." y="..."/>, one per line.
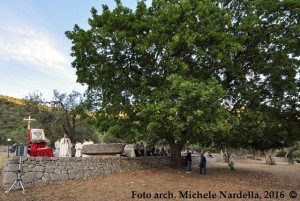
<point x="13" y="112"/>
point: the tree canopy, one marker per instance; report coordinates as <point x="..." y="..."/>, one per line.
<point x="183" y="69"/>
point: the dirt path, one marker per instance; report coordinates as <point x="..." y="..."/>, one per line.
<point x="253" y="178"/>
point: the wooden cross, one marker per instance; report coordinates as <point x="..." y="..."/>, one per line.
<point x="29" y="119"/>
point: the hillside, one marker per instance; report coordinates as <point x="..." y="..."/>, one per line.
<point x="12" y="99"/>
<point x="12" y="113"/>
<point x="54" y="121"/>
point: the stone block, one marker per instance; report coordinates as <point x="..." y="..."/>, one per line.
<point x="103" y="149"/>
<point x="28" y="177"/>
<point x="49" y="169"/>
<point x="39" y="175"/>
<point x="25" y="169"/>
<point x="72" y="176"/>
<point x="12" y="168"/>
<point x="54" y="177"/>
<point x="38" y="169"/>
<point x="79" y="176"/>
<point x="57" y="171"/>
<point x="71" y="171"/>
<point x="46" y="177"/>
<point x="9" y="178"/>
<point x="64" y="177"/>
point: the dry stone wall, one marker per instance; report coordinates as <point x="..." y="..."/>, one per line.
<point x="46" y="170"/>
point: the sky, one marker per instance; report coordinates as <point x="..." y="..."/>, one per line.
<point x="34" y="51"/>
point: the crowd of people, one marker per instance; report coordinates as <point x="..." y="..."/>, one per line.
<point x="150" y="150"/>
<point x="65" y="148"/>
<point x="202" y="161"/>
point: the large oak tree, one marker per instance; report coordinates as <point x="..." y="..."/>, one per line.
<point x="167" y="70"/>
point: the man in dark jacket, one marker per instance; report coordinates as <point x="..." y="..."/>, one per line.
<point x="202" y="164"/>
<point x="188" y="159"/>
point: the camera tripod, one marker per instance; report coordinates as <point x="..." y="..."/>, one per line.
<point x="18" y="182"/>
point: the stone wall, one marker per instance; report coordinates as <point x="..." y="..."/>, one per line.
<point x="3" y="148"/>
<point x="45" y="170"/>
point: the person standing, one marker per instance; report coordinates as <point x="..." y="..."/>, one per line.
<point x="153" y="150"/>
<point x="148" y="149"/>
<point x="202" y="164"/>
<point x="189" y="161"/>
<point x="57" y="147"/>
<point x="162" y="150"/>
<point x="78" y="147"/>
<point x="142" y="149"/>
<point x="137" y="150"/>
<point x="65" y="147"/>
<point x="73" y="150"/>
<point x="85" y="142"/>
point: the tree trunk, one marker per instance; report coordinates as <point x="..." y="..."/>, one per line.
<point x="176" y="160"/>
<point x="270" y="160"/>
<point x="255" y="155"/>
<point x="289" y="154"/>
<point x="227" y="156"/>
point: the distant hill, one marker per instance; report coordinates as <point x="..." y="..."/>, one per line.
<point x="53" y="120"/>
<point x="12" y="99"/>
<point x="12" y="113"/>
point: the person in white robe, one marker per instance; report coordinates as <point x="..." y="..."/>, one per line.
<point x="78" y="147"/>
<point x="85" y="142"/>
<point x="65" y="147"/>
<point x="57" y="147"/>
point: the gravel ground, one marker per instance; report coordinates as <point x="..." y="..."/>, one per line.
<point x="250" y="179"/>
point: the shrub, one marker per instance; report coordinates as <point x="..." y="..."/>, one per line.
<point x="281" y="153"/>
